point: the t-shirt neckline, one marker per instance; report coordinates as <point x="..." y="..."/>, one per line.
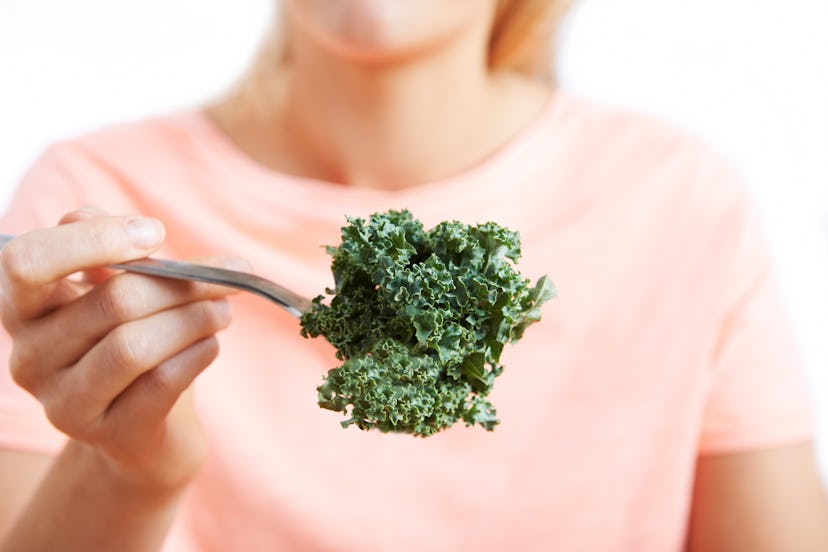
<point x="490" y="174"/>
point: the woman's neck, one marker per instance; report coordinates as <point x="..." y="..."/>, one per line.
<point x="382" y="125"/>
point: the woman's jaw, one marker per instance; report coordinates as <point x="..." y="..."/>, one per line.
<point x="381" y="32"/>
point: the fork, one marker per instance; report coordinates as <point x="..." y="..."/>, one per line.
<point x="292" y="302"/>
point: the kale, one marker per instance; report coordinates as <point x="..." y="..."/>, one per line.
<point x="419" y="319"/>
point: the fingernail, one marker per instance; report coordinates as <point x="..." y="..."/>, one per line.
<point x="145" y="232"/>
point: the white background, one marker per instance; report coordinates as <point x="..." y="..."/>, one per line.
<point x="750" y="76"/>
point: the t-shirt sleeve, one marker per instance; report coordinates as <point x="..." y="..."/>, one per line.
<point x="45" y="193"/>
<point x="757" y="397"/>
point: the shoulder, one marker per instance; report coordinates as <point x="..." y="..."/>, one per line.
<point x="118" y="163"/>
<point x="135" y="145"/>
<point x="622" y="153"/>
<point x="139" y="166"/>
<point x="649" y="191"/>
<point x="612" y="134"/>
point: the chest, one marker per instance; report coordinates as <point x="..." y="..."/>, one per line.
<point x="594" y="431"/>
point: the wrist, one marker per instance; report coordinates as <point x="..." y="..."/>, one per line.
<point x="86" y="505"/>
<point x="154" y="486"/>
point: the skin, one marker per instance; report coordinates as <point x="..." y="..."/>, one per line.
<point x="763" y="501"/>
<point x="117" y="387"/>
<point x="355" y="111"/>
<point x="351" y="107"/>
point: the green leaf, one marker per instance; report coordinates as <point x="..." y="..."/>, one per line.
<point x="419" y="319"/>
<point x="543" y="291"/>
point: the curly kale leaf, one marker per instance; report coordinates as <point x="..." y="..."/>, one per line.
<point x="419" y="319"/>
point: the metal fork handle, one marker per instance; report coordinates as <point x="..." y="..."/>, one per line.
<point x="292" y="302"/>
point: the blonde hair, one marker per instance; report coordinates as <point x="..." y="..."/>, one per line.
<point x="524" y="35"/>
<point x="523" y="38"/>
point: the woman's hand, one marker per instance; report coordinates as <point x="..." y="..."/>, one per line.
<point x="111" y="357"/>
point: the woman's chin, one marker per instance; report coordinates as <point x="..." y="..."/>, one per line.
<point x="386" y="31"/>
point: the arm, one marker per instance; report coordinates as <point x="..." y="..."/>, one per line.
<point x="764" y="501"/>
<point x="111" y="360"/>
<point x="21" y="472"/>
<point x="82" y="505"/>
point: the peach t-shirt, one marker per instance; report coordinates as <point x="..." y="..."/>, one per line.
<point x="666" y="340"/>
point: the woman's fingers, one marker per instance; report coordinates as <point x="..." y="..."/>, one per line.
<point x="144" y="405"/>
<point x="76" y="399"/>
<point x="83" y="213"/>
<point x="96" y="275"/>
<point x="75" y="328"/>
<point x="109" y="358"/>
<point x="30" y="263"/>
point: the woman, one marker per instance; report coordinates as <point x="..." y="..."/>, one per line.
<point x="655" y="407"/>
